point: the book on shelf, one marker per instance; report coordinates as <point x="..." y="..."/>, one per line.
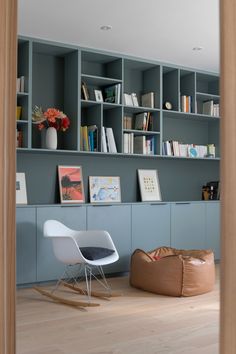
<point x="84" y="91"/>
<point x="93" y="137"/>
<point x="140" y="121"/>
<point x="208" y="108"/>
<point x="89" y="138"/>
<point x="127" y="122"/>
<point x="111" y="144"/>
<point x="144" y="145"/>
<point x="147" y="100"/>
<point x="134" y="99"/>
<point x="128" y="141"/>
<point x="140" y="144"/>
<point x="20" y="84"/>
<point x="104" y="142"/>
<point x="186" y="104"/>
<point x="112" y="93"/>
<point x="143" y="121"/>
<point x="128" y="99"/>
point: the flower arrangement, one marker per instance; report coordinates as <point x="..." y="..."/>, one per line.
<point x="52" y="117"/>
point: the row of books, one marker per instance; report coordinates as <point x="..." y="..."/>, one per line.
<point x="89" y="138"/>
<point x="141" y="121"/>
<point x="186" y="104"/>
<point x="147" y="99"/>
<point x="175" y="148"/>
<point x="138" y="144"/>
<point x="210" y="108"/>
<point x="108" y="140"/>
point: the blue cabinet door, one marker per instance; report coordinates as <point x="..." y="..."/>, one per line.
<point x="25" y="245"/>
<point x="188" y="225"/>
<point x="213" y="227"/>
<point x="150" y="226"/>
<point x="48" y="267"/>
<point x="116" y="219"/>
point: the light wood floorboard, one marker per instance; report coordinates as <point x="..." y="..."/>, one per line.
<point x="137" y="322"/>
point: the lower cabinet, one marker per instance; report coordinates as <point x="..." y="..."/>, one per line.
<point x="150" y="226"/>
<point x="213" y="228"/>
<point x="188" y="225"/>
<point x="48" y="267"/>
<point x="192" y="225"/>
<point x="25" y="245"/>
<point x="116" y="219"/>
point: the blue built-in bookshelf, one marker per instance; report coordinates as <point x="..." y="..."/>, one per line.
<point x="53" y="76"/>
<point x="177" y="119"/>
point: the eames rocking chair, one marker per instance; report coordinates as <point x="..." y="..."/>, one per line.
<point x="86" y="250"/>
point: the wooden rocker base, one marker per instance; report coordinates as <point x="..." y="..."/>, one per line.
<point x="101" y="295"/>
<point x="65" y="301"/>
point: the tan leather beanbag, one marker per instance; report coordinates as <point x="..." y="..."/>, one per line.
<point x="173" y="272"/>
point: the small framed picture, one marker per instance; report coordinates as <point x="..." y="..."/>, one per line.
<point x="149" y="185"/>
<point x="98" y="95"/>
<point x="71" y="184"/>
<point x="21" y="194"/>
<point x="104" y="189"/>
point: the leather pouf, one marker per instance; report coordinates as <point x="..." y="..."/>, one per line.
<point x="173" y="272"/>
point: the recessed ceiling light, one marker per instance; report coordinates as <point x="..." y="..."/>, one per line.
<point x="106" y="28"/>
<point x="197" y="48"/>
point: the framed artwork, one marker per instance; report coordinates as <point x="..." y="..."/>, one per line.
<point x="149" y="185"/>
<point x="71" y="184"/>
<point x="104" y="189"/>
<point x="98" y="95"/>
<point x="21" y="194"/>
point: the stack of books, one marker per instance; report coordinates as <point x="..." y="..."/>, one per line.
<point x="210" y="108"/>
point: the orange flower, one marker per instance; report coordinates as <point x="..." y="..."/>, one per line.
<point x="52" y="117"/>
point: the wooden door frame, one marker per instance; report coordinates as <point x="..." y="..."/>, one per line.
<point x="8" y="59"/>
<point x="8" y="55"/>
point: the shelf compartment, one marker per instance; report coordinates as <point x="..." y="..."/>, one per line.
<point x="58" y="67"/>
<point x="141" y="78"/>
<point x="91" y="115"/>
<point x="201" y="98"/>
<point x="207" y="83"/>
<point x="112" y="118"/>
<point x="191" y="131"/>
<point x="189" y="116"/>
<point x="171" y="87"/>
<point x="187" y="88"/>
<point x="101" y="65"/>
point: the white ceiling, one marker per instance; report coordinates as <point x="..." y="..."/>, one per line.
<point x="164" y="30"/>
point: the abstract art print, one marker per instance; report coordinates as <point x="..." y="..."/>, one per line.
<point x="71" y="184"/>
<point x="149" y="185"/>
<point x="104" y="189"/>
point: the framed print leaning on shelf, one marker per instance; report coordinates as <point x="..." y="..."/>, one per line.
<point x="21" y="194"/>
<point x="71" y="184"/>
<point x="98" y="95"/>
<point x="149" y="185"/>
<point x="104" y="189"/>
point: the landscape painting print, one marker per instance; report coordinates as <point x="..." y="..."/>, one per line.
<point x="104" y="189"/>
<point x="71" y="184"/>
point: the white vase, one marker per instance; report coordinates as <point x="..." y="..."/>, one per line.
<point x="51" y="138"/>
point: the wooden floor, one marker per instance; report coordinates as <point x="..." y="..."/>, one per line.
<point x="138" y="322"/>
